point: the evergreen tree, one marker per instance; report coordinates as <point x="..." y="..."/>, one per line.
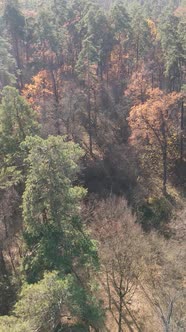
<point x="141" y="39"/>
<point x="17" y="120"/>
<point x="7" y="64"/>
<point x="53" y="230"/>
<point x="44" y="305"/>
<point x="173" y="45"/>
<point x="15" y="23"/>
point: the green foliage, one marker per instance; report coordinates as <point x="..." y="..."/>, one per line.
<point x="7" y="64"/>
<point x="14" y="19"/>
<point x="39" y="306"/>
<point x="9" y="176"/>
<point x="87" y="57"/>
<point x="17" y="120"/>
<point x="173" y="43"/>
<point x="154" y="213"/>
<point x="52" y="226"/>
<point x="75" y="328"/>
<point x="87" y="66"/>
<point x="120" y="18"/>
<point x="7" y="291"/>
<point x="97" y="42"/>
<point x="141" y="38"/>
<point x="47" y="30"/>
<point x="55" y="239"/>
<point x="85" y="305"/>
<point x="13" y="324"/>
<point x="43" y="305"/>
<point x="61" y="10"/>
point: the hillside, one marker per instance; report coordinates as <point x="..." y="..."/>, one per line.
<point x="92" y="165"/>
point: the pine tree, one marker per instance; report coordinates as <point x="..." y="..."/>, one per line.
<point x="53" y="231"/>
<point x="17" y="120"/>
<point x="7" y="64"/>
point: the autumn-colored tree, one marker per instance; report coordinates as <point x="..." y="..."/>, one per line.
<point x="155" y="122"/>
<point x="106" y="74"/>
<point x="37" y="92"/>
<point x="139" y="84"/>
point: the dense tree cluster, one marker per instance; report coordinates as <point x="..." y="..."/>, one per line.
<point x="92" y="160"/>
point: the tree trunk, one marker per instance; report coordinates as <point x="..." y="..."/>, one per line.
<point x="120" y="58"/>
<point x="181" y="130"/>
<point x="108" y="291"/>
<point x="89" y="124"/>
<point x="165" y="171"/>
<point x="18" y="61"/>
<point x="120" y="309"/>
<point x="137" y="53"/>
<point x="56" y="103"/>
<point x="164" y="155"/>
<point x="3" y="269"/>
<point x="165" y="325"/>
<point x="120" y="313"/>
<point x="89" y="110"/>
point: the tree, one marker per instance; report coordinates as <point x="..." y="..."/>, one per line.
<point x="7" y="290"/>
<point x="173" y="50"/>
<point x="53" y="231"/>
<point x="121" y="26"/>
<point x="7" y="64"/>
<point x="39" y="94"/>
<point x="15" y="23"/>
<point x="39" y="306"/>
<point x="141" y="37"/>
<point x="155" y="122"/>
<point x="9" y="225"/>
<point x="55" y="238"/>
<point x="86" y="70"/>
<point x="48" y="304"/>
<point x="102" y="73"/>
<point x="163" y="283"/>
<point x="99" y="29"/>
<point x="17" y="120"/>
<point x="122" y="246"/>
<point x="137" y="89"/>
<point x="50" y="59"/>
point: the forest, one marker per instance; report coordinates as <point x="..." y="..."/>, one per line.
<point x="92" y="165"/>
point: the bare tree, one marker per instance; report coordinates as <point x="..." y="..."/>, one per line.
<point x="121" y="250"/>
<point x="163" y="283"/>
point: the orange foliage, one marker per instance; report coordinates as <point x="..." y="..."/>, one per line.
<point x="117" y="58"/>
<point x="39" y="89"/>
<point x="180" y="12"/>
<point x="152" y="27"/>
<point x="155" y="118"/>
<point x="29" y="13"/>
<point x="139" y="84"/>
